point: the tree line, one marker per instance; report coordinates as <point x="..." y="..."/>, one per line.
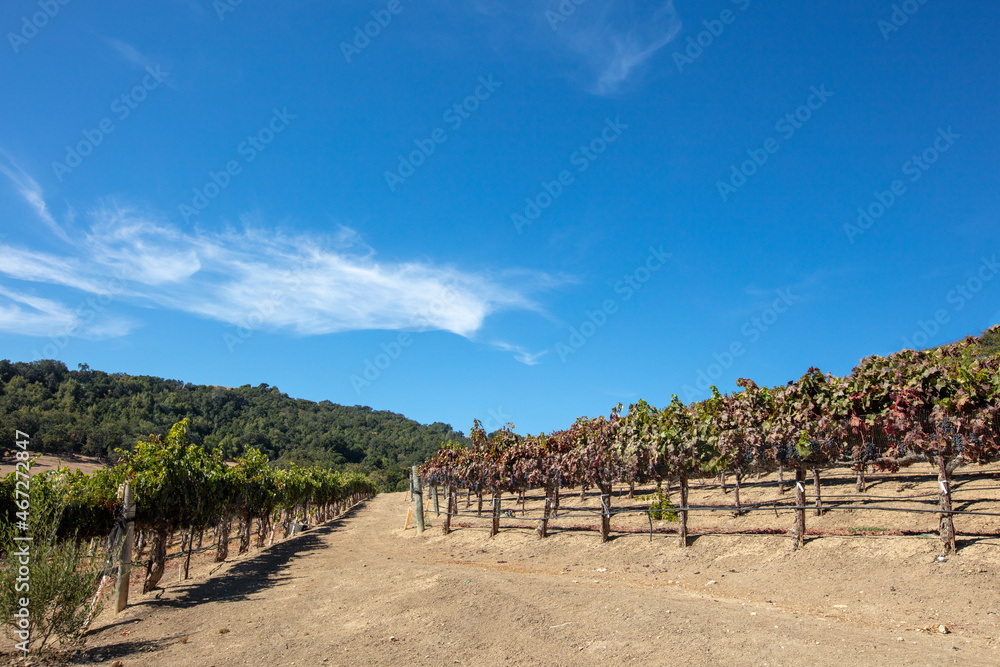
<point x="94" y="413"/>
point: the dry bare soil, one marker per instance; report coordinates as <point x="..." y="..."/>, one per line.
<point x="362" y="591"/>
<point x="48" y="462"/>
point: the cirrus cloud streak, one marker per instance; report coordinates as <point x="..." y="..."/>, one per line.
<point x="323" y="284"/>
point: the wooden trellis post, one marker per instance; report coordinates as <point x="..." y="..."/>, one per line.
<point x="605" y="512"/>
<point x="495" y="528"/>
<point x="800" y="502"/>
<point x="451" y="502"/>
<point x="418" y="499"/>
<point x="682" y="527"/>
<point x="543" y="525"/>
<point x="819" y="496"/>
<point x="125" y="560"/>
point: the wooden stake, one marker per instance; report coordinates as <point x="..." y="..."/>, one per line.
<point x="125" y="560"/>
<point x="800" y="502"/>
<point x="555" y="498"/>
<point x="819" y="497"/>
<point x="418" y="500"/>
<point x="543" y="525"/>
<point x="605" y="512"/>
<point x="736" y="494"/>
<point x="496" y="515"/>
<point x="682" y="529"/>
<point x="451" y="503"/>
<point x="187" y="561"/>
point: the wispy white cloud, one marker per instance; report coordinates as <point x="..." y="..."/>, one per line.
<point x="310" y="285"/>
<point x="128" y="52"/>
<point x="521" y="354"/>
<point x="31" y="192"/>
<point x="613" y="38"/>
<point x="604" y="42"/>
<point x="44" y="267"/>
<point x="30" y="315"/>
<point x="132" y="55"/>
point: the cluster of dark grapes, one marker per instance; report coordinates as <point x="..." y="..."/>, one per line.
<point x="869" y="451"/>
<point x="786" y="452"/>
<point x="817" y="445"/>
<point x="752" y="455"/>
<point x="947" y="428"/>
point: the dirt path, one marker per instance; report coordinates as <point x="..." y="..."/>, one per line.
<point x="360" y="591"/>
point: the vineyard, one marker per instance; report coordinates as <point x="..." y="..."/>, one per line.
<point x="938" y="406"/>
<point x="169" y="498"/>
<point x="181" y="494"/>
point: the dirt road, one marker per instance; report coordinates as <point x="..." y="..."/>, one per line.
<point x="360" y="591"/>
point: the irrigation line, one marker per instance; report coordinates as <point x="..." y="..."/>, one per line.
<point x="741" y="509"/>
<point x="857" y="496"/>
<point x="961" y="476"/>
<point x="930" y="494"/>
<point x="916" y="534"/>
<point x="551" y="516"/>
<point x="711" y="508"/>
<point x="826" y="508"/>
<point x="933" y="494"/>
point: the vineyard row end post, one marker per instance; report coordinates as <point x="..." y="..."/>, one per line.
<point x="125" y="560"/>
<point x="800" y="502"/>
<point x="418" y="499"/>
<point x="495" y="527"/>
<point x="451" y="503"/>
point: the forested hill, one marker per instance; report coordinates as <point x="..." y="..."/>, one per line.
<point x="93" y="413"/>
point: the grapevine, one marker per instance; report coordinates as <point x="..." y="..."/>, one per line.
<point x="940" y="405"/>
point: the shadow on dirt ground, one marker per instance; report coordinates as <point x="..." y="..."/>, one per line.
<point x="245" y="578"/>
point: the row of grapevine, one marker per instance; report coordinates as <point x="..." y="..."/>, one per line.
<point x="939" y="405"/>
<point x="181" y="487"/>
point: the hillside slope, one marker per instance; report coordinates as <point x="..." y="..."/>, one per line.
<point x="92" y="413"/>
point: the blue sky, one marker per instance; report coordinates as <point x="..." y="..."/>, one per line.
<point x="524" y="211"/>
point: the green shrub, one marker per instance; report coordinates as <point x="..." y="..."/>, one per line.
<point x="660" y="507"/>
<point x="62" y="578"/>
